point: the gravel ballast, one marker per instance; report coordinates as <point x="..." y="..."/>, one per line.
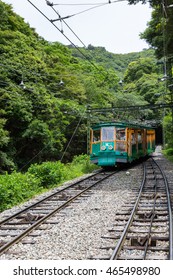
<point x="78" y="233"/>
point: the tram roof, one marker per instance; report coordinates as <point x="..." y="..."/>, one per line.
<point x="122" y="124"/>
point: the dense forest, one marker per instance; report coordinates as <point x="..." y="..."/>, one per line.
<point x="46" y="88"/>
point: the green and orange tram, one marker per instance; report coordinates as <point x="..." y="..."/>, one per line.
<point x="117" y="143"/>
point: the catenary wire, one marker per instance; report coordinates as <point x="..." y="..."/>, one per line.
<point x="82" y="116"/>
<point x="65" y="36"/>
<point x="86" y="10"/>
<point x="69" y="27"/>
<point x="86" y="4"/>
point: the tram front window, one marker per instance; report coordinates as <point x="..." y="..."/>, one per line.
<point x="108" y="134"/>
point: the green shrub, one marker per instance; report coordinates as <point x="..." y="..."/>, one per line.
<point x="169" y="152"/>
<point x="16" y="188"/>
<point x="49" y="173"/>
<point x="84" y="162"/>
<point x="80" y="159"/>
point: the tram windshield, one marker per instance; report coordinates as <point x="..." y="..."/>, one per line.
<point x="108" y="133"/>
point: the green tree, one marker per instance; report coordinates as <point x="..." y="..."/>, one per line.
<point x="43" y="119"/>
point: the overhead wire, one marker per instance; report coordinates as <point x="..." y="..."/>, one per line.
<point x="84" y="11"/>
<point x="62" y="20"/>
<point x="86" y="4"/>
<point x="51" y="4"/>
<point x="82" y="116"/>
<point x="78" y="4"/>
<point x="98" y="5"/>
<point x="64" y="36"/>
<point x="61" y="31"/>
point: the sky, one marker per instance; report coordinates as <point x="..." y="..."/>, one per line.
<point x="115" y="26"/>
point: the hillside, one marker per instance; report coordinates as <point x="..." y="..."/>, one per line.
<point x="46" y="87"/>
<point x="117" y="62"/>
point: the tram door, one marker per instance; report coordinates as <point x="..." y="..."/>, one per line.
<point x="121" y="139"/>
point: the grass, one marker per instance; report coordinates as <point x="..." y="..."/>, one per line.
<point x="17" y="187"/>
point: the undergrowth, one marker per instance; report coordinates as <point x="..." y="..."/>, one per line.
<point x="16" y="188"/>
<point x="168" y="154"/>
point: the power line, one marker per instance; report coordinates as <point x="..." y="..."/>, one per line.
<point x="64" y="35"/>
<point x="86" y="10"/>
<point x="62" y="20"/>
<point x="95" y="6"/>
<point x="85" y="4"/>
<point x="131" y="108"/>
<point x="67" y="38"/>
<point x="77" y="4"/>
<point x="82" y="116"/>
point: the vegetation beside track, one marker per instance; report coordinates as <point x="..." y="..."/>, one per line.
<point x="45" y="88"/>
<point x="168" y="153"/>
<point x="19" y="187"/>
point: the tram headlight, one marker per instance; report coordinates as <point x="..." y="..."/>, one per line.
<point x="103" y="148"/>
<point x="110" y="147"/>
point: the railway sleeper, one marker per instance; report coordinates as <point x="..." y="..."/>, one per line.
<point x="153" y="195"/>
<point x="27" y="240"/>
<point x="151" y="248"/>
<point x="148" y="223"/>
<point x="27" y="218"/>
<point x="133" y="257"/>
<point x="147" y="207"/>
<point x="141" y="241"/>
<point x="7" y="227"/>
<point x="129" y="236"/>
<point x="142" y="248"/>
<point x="2" y="243"/>
<point x="163" y="219"/>
<point x="149" y="214"/>
<point x="125" y="212"/>
<point x="164" y="230"/>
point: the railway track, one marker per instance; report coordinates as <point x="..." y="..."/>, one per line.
<point x="21" y="224"/>
<point x="141" y="228"/>
<point x="144" y="229"/>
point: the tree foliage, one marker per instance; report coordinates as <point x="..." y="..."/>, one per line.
<point x="159" y="34"/>
<point x="152" y="2"/>
<point x="39" y="113"/>
<point x="46" y="87"/>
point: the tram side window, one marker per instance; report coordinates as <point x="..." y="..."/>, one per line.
<point x="139" y="137"/>
<point x="108" y="133"/>
<point x="120" y="134"/>
<point x="133" y="139"/>
<point x="96" y="135"/>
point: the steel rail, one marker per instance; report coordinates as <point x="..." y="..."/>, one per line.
<point x="43" y="219"/>
<point x="151" y="222"/>
<point x="170" y="212"/>
<point x="123" y="236"/>
<point x="44" y="199"/>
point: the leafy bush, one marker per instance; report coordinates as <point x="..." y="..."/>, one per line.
<point x="49" y="173"/>
<point x="169" y="152"/>
<point x="54" y="173"/>
<point x="84" y="162"/>
<point x="16" y="188"/>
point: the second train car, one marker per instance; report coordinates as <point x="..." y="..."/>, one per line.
<point x="117" y="143"/>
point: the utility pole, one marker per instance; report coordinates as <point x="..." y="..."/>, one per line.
<point x="88" y="128"/>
